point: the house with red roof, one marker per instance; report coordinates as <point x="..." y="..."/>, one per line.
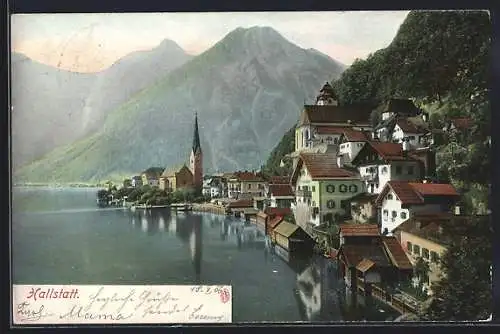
<point x="351" y="142"/>
<point x="249" y="183"/>
<point x="427" y="236"/>
<point x="400" y="200"/>
<point x="366" y="257"/>
<point x="322" y="189"/>
<point x="380" y="162"/>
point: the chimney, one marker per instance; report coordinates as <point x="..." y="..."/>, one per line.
<point x="340" y="161"/>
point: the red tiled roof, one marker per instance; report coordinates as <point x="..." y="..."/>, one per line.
<point x="249" y="176"/>
<point x="359" y="230"/>
<point x="396" y="253"/>
<point x="281" y="190"/>
<point x="415" y="193"/>
<point x="279" y="180"/>
<point x="388" y="151"/>
<point x="329" y="130"/>
<point x="321" y="165"/>
<point x="353" y="135"/>
<point x="354" y="254"/>
<point x="427" y="226"/>
<point x="462" y="122"/>
<point x="278" y="211"/>
<point x="241" y="204"/>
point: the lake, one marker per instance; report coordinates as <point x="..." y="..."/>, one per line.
<point x="59" y="236"/>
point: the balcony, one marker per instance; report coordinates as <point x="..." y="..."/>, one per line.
<point x="303" y="193"/>
<point x="372" y="177"/>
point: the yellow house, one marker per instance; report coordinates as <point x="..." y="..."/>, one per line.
<point x="424" y="236"/>
<point x="151" y="176"/>
<point x="322" y="189"/>
<point x="176" y="178"/>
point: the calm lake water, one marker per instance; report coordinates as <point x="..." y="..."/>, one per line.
<point x="60" y="237"/>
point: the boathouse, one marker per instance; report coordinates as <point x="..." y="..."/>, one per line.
<point x="293" y="239"/>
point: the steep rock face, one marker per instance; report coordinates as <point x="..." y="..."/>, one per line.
<point x="248" y="90"/>
<point x="54" y="107"/>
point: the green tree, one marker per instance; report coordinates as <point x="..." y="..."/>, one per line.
<point x="465" y="291"/>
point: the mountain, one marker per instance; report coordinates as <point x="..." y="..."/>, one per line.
<point x="47" y="107"/>
<point x="248" y="89"/>
<point x="49" y="101"/>
<point x="128" y="76"/>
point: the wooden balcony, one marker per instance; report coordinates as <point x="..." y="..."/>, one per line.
<point x="303" y="193"/>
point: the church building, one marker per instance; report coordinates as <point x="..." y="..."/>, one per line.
<point x="196" y="158"/>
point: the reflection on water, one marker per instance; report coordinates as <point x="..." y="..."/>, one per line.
<point x="93" y="246"/>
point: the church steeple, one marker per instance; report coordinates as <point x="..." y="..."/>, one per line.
<point x="196" y="136"/>
<point x="196" y="158"/>
<point x="327" y="96"/>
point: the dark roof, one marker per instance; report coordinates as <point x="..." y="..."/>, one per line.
<point x="396" y="253"/>
<point x="281" y="190"/>
<point x="354" y="254"/>
<point x="196" y="136"/>
<point x="278" y="211"/>
<point x="243" y="203"/>
<point x="335" y="114"/>
<point x="416" y="193"/>
<point x="462" y="122"/>
<point x="153" y="172"/>
<point x="430" y="224"/>
<point x="364" y="198"/>
<point x="249" y="176"/>
<point x="359" y="230"/>
<point x="321" y="165"/>
<point x="329" y="130"/>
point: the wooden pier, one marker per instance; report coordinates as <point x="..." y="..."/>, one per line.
<point x="209" y="207"/>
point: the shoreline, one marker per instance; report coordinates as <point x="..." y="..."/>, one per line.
<point x="56" y="185"/>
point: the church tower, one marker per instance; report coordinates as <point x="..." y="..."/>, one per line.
<point x="327" y="96"/>
<point x="196" y="159"/>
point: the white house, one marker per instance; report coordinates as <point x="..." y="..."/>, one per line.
<point x="412" y="131"/>
<point x="351" y="142"/>
<point x="379" y="163"/>
<point x="280" y="195"/>
<point x="400" y="200"/>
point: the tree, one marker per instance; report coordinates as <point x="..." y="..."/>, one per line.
<point x="465" y="291"/>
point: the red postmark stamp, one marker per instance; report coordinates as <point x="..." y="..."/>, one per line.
<point x="224" y="295"/>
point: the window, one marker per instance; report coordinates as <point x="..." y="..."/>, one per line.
<point x="386" y="214"/>
<point x="314" y="203"/>
<point x="402" y="215"/>
<point x="330" y="188"/>
<point x="434" y="257"/>
<point x="249" y="186"/>
<point x="313" y="188"/>
<point x="425" y="253"/>
<point x="394" y="214"/>
<point x="389" y="196"/>
<point x="360" y="144"/>
<point x="384" y="170"/>
<point x="353" y="188"/>
<point x="409" y="246"/>
<point x="399" y="170"/>
<point x="330" y="204"/>
<point x="343" y="188"/>
<point x="411" y="170"/>
<point x="416" y="249"/>
<point x="335" y="141"/>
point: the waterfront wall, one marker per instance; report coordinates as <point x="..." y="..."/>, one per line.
<point x="209" y="207"/>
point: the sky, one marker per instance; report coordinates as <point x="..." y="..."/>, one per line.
<point x="93" y="42"/>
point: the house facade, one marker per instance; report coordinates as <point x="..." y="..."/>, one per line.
<point x="380" y="162"/>
<point x="280" y="195"/>
<point x="400" y="200"/>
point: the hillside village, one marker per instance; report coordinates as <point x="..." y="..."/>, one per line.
<point x="365" y="196"/>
